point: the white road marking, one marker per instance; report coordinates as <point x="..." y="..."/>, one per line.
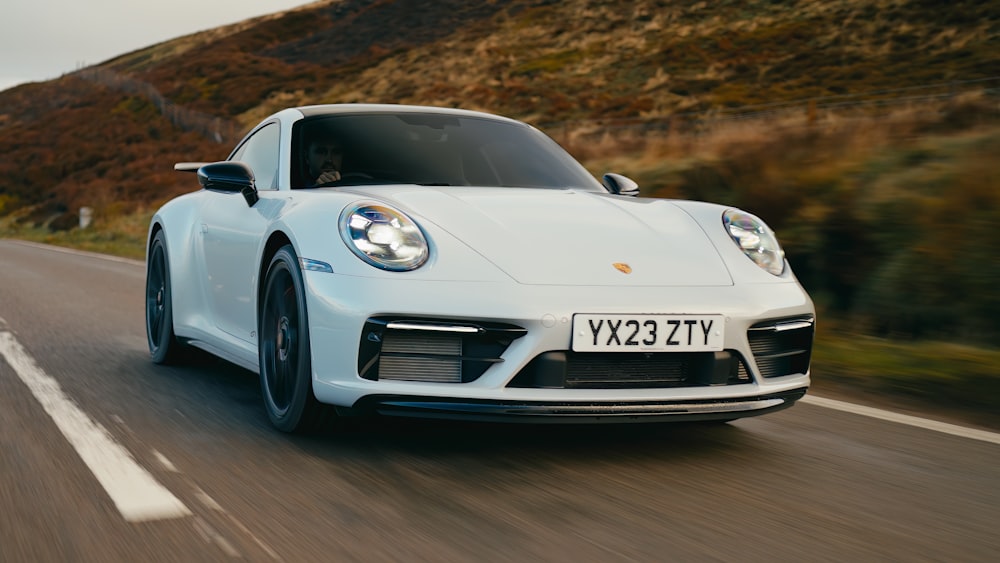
<point x="165" y="462"/>
<point x="136" y="494"/>
<point x="209" y="534"/>
<point x="943" y="427"/>
<point x="213" y="505"/>
<point x="207" y="500"/>
<point x="76" y="252"/>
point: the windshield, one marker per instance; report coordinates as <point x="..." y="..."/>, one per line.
<point x="430" y="149"/>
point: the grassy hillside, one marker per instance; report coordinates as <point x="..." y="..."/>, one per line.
<point x="69" y="143"/>
<point x="546" y="62"/>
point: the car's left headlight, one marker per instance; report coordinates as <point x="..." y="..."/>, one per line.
<point x="384" y="237"/>
<point x="755" y="239"/>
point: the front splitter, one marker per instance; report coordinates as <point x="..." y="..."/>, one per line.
<point x="576" y="412"/>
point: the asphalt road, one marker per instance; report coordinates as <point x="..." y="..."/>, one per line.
<point x="106" y="457"/>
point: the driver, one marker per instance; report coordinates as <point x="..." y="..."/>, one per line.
<point x="323" y="161"/>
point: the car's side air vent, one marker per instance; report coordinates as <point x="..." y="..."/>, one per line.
<point x="782" y="347"/>
<point x="432" y="351"/>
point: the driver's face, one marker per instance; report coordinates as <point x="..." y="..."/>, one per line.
<point x="324" y="157"/>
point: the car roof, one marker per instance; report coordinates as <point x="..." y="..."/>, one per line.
<point x="334" y="109"/>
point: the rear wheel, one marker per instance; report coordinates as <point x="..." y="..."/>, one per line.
<point x="163" y="345"/>
<point x="284" y="353"/>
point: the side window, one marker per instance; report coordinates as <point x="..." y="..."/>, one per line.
<point x="260" y="152"/>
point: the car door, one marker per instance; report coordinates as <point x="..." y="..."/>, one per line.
<point x="232" y="234"/>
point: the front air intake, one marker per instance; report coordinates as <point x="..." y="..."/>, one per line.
<point x="782" y="347"/>
<point x="431" y="351"/>
<point x="566" y="369"/>
<point x="410" y="355"/>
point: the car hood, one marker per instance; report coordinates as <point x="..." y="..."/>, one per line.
<point x="568" y="237"/>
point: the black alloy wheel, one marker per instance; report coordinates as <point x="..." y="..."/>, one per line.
<point x="163" y="345"/>
<point x="285" y="358"/>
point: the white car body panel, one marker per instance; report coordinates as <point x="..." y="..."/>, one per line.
<point x="520" y="256"/>
<point x="516" y="229"/>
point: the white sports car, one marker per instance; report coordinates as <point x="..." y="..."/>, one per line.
<point x="435" y="262"/>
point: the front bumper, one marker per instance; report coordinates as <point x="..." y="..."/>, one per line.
<point x="573" y="412"/>
<point x="339" y="306"/>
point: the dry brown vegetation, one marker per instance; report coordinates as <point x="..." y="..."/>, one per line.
<point x="543" y="61"/>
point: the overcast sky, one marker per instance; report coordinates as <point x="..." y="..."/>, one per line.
<point x="42" y="39"/>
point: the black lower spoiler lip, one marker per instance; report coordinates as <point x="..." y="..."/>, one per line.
<point x="577" y="412"/>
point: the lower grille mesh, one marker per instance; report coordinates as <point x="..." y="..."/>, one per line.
<point x="403" y="357"/>
<point x="626" y="370"/>
<point x="413" y="342"/>
<point x="421" y="369"/>
<point x="610" y="370"/>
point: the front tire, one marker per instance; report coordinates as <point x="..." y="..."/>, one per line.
<point x="164" y="348"/>
<point x="284" y="352"/>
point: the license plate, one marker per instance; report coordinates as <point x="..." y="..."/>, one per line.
<point x="648" y="333"/>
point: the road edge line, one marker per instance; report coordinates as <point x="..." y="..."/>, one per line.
<point x="927" y="424"/>
<point x="134" y="491"/>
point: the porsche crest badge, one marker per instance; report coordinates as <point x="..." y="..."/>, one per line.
<point x="623" y="267"/>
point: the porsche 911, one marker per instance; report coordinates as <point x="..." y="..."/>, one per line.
<point x="430" y="262"/>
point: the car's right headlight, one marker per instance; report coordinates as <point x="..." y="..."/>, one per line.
<point x="383" y="237"/>
<point x="755" y="239"/>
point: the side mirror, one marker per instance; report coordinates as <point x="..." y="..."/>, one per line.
<point x="620" y="185"/>
<point x="229" y="177"/>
